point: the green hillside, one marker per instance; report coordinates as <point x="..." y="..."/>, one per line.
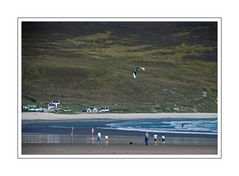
<point x="90" y="64"/>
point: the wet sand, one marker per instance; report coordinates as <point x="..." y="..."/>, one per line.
<point x="77" y="149"/>
<point x="87" y="145"/>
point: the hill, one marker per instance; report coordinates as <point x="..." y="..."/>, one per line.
<point x="90" y="64"/>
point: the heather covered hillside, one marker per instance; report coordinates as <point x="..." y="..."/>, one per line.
<point x="90" y="64"/>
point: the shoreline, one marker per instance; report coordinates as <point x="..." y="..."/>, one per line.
<point x="113" y="116"/>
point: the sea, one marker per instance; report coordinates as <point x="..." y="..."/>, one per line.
<point x="136" y="126"/>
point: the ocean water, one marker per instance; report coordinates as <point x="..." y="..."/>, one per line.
<point x="182" y="126"/>
<point x="173" y="126"/>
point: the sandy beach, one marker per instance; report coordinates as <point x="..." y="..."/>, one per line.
<point x="74" y="149"/>
<point x="82" y="143"/>
<point x="53" y="116"/>
<point x="87" y="145"/>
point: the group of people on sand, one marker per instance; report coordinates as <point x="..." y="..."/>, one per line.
<point x="146" y="138"/>
<point x="99" y="138"/>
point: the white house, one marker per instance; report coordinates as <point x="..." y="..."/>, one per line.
<point x="39" y="109"/>
<point x="104" y="110"/>
<point x="52" y="106"/>
<point x="94" y="109"/>
<point x="88" y="110"/>
<point x="56" y="103"/>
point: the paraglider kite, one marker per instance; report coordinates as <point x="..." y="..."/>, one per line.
<point x="135" y="70"/>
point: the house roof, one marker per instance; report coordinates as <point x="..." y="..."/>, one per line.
<point x="51" y="104"/>
<point x="55" y="101"/>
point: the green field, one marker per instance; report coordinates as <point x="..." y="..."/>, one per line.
<point x="90" y="64"/>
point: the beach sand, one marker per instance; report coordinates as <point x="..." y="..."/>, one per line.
<point x="53" y="116"/>
<point x="87" y="149"/>
<point x="87" y="145"/>
<point x="118" y="145"/>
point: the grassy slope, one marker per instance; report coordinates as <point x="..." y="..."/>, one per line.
<point x="90" y="64"/>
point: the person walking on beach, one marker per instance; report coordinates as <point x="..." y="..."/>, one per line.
<point x="72" y="131"/>
<point x="72" y="134"/>
<point x="146" y="138"/>
<point x="98" y="137"/>
<point x="92" y="136"/>
<point x="106" y="140"/>
<point x="163" y="138"/>
<point x="92" y="131"/>
<point x="155" y="138"/>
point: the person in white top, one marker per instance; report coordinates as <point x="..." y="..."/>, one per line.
<point x="155" y="137"/>
<point x="106" y="140"/>
<point x="98" y="137"/>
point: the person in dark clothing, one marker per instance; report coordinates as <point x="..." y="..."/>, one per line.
<point x="146" y="138"/>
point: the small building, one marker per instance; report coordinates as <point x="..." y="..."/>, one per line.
<point x="56" y="103"/>
<point x="51" y="106"/>
<point x="32" y="108"/>
<point x="39" y="109"/>
<point x="104" y="109"/>
<point x="94" y="109"/>
<point x="90" y="110"/>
